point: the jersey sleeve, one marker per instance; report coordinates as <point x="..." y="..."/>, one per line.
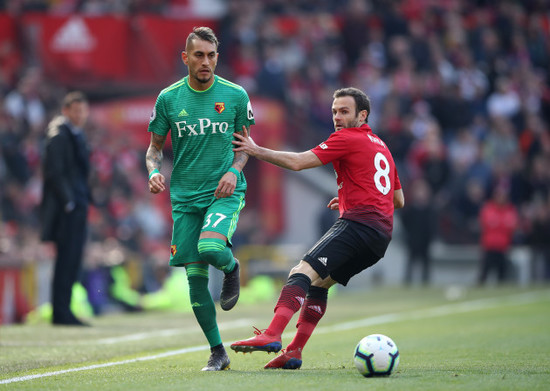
<point x="332" y="149"/>
<point x="245" y="114"/>
<point x="159" y="122"/>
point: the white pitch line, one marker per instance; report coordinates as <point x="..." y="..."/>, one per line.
<point x="169" y="332"/>
<point x="109" y="364"/>
<point x="468" y="306"/>
<point x="224" y="326"/>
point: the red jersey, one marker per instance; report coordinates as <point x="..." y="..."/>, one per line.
<point x="365" y="174"/>
<point x="498" y="224"/>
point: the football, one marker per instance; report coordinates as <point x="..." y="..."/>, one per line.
<point x="376" y="355"/>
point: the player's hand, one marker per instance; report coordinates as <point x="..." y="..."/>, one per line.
<point x="156" y="183"/>
<point x="226" y="185"/>
<point x="244" y="143"/>
<point x="334" y="204"/>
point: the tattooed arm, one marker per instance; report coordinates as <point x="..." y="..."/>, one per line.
<point x="153" y="161"/>
<point x="240" y="157"/>
<point x="226" y="185"/>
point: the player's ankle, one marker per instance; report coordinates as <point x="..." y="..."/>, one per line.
<point x="291" y="348"/>
<point x="272" y="334"/>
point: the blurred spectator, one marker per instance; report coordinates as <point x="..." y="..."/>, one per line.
<point x="499" y="221"/>
<point x="501" y="144"/>
<point x="540" y="177"/>
<point x="11" y="147"/>
<point x="531" y="139"/>
<point x="419" y="221"/>
<point x="452" y="111"/>
<point x="398" y="136"/>
<point x="429" y="158"/>
<point x="420" y="48"/>
<point x="25" y="105"/>
<point x="537" y="38"/>
<point x="461" y="223"/>
<point x="355" y="29"/>
<point x="271" y="77"/>
<point x="504" y="101"/>
<point x="421" y="120"/>
<point x="464" y="150"/>
<point x="472" y="82"/>
<point x="539" y="239"/>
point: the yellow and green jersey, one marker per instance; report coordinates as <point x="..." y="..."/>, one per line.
<point x="202" y="125"/>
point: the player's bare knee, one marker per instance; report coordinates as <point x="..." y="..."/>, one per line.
<point x="323" y="283"/>
<point x="304" y="268"/>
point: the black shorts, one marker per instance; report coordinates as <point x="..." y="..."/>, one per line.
<point x="343" y="251"/>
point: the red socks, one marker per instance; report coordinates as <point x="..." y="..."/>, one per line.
<point x="291" y="299"/>
<point x="312" y="311"/>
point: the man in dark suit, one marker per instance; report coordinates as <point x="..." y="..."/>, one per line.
<point x="65" y="200"/>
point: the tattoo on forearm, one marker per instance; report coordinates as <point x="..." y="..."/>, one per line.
<point x="240" y="160"/>
<point x="153" y="157"/>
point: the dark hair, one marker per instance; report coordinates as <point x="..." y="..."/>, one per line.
<point x="202" y="33"/>
<point x="362" y="101"/>
<point x="74" y="97"/>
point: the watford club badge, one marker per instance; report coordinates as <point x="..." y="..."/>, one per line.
<point x="219" y="106"/>
<point x="173" y="249"/>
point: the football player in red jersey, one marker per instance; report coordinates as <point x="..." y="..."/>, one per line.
<point x="368" y="192"/>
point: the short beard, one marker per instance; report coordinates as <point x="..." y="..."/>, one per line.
<point x="203" y="81"/>
<point x="356" y="123"/>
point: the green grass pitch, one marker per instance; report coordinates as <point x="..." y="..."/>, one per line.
<point x="481" y="339"/>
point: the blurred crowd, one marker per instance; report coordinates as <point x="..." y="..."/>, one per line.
<point x="460" y="92"/>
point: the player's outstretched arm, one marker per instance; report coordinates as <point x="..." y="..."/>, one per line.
<point x="295" y="161"/>
<point x="153" y="161"/>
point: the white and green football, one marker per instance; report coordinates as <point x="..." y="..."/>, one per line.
<point x="376" y="355"/>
